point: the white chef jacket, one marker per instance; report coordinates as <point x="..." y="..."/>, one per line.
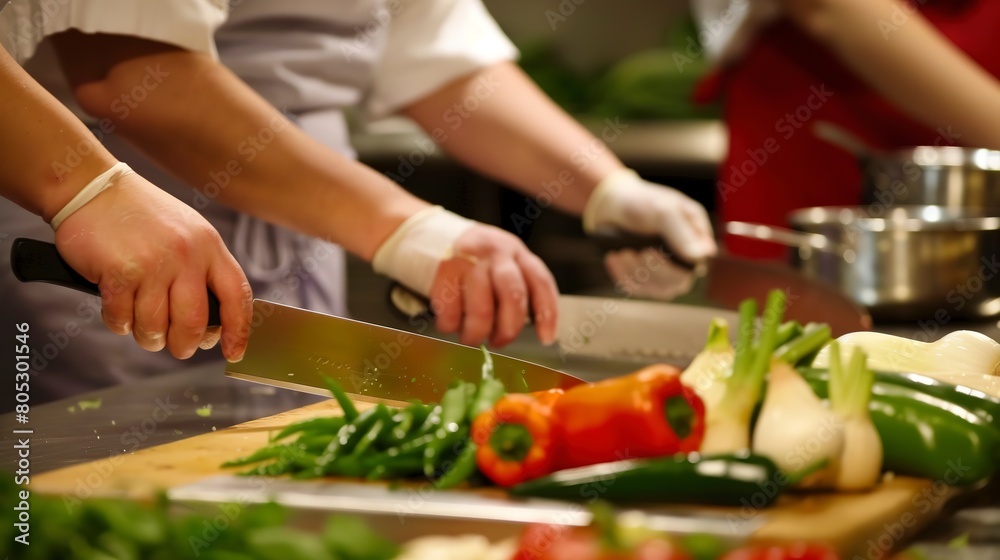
<point x="430" y="42"/>
<point x="309" y="58"/>
<point x="726" y="27"/>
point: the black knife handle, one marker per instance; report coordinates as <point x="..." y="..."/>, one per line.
<point x="408" y="304"/>
<point x="38" y="261"/>
<point x="610" y="239"/>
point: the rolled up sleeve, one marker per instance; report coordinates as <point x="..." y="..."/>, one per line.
<point x="189" y="24"/>
<point x="431" y="43"/>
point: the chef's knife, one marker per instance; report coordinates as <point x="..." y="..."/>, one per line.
<point x="295" y="349"/>
<point x="612" y="328"/>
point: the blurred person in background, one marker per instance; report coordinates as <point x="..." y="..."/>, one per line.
<point x="894" y="73"/>
<point x="146" y="76"/>
<point x="142" y="247"/>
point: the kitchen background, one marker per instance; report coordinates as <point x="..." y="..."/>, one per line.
<point x="613" y="65"/>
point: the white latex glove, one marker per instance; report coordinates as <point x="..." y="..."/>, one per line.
<point x="480" y="279"/>
<point x="154" y="259"/>
<point x="625" y="201"/>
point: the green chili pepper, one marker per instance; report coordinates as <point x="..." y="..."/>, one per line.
<point x="927" y="434"/>
<point x="688" y="479"/>
<point x="460" y="471"/>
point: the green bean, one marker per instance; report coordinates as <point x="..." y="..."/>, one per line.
<point x="397" y="467"/>
<point x="460" y="471"/>
<point x="444" y="439"/>
<point x="368" y="439"/>
<point x="490" y="391"/>
<point x="262" y="454"/>
<point x="350" y="411"/>
<point x="430" y="423"/>
<point x="328" y="424"/>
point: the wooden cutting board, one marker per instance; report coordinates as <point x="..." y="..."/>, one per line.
<point x="865" y="525"/>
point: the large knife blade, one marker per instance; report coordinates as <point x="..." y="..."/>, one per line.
<point x="613" y="327"/>
<point x="294" y="348"/>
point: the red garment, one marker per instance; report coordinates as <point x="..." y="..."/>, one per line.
<point x="785" y="83"/>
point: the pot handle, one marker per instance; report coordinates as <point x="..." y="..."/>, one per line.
<point x="782" y="236"/>
<point x="845" y="140"/>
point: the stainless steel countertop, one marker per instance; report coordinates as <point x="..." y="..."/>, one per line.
<point x="697" y="147"/>
<point x="164" y="409"/>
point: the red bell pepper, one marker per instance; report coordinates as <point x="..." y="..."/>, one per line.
<point x="649" y="413"/>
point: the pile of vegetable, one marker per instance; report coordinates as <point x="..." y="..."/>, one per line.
<point x="738" y="419"/>
<point x="113" y="529"/>
<point x="605" y="539"/>
<point x="421" y="440"/>
<point x="110" y="529"/>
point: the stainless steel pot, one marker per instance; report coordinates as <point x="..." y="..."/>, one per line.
<point x="910" y="263"/>
<point x="929" y="175"/>
<point x="948" y="176"/>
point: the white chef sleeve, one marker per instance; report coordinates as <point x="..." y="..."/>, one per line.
<point x="189" y="24"/>
<point x="727" y="27"/>
<point x="431" y="43"/>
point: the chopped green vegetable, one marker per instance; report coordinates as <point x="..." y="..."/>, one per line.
<point x="959" y="542"/>
<point x="93" y="404"/>
<point x="383" y="442"/>
<point x="204" y="411"/>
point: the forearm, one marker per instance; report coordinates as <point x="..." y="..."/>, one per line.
<point x="37" y="136"/>
<point x="206" y="126"/>
<point x="910" y="63"/>
<point x="499" y="123"/>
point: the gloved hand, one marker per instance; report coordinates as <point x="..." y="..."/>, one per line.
<point x="480" y="279"/>
<point x="154" y="259"/>
<point x="625" y="201"/>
